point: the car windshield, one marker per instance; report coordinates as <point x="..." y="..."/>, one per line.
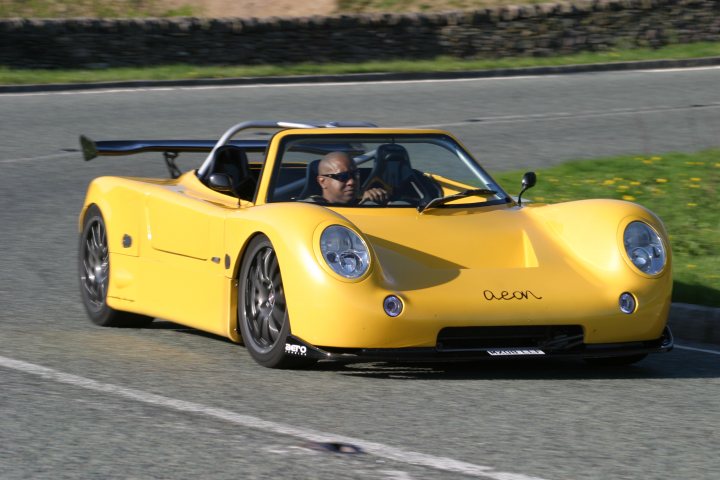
<point x="407" y="170"/>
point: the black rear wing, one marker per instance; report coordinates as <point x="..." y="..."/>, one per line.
<point x="169" y="148"/>
<point x="172" y="148"/>
<point x="92" y="149"/>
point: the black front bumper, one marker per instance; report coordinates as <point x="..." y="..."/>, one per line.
<point x="297" y="347"/>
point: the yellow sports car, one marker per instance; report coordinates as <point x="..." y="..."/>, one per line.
<point x="349" y="242"/>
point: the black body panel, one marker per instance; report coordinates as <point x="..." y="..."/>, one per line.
<point x="296" y="346"/>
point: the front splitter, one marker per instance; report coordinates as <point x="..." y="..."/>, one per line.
<point x="295" y="346"/>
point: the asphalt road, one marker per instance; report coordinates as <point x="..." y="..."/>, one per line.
<point x="79" y="401"/>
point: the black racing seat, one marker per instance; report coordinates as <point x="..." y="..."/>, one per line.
<point x="233" y="162"/>
<point x="311" y="186"/>
<point x="392" y="172"/>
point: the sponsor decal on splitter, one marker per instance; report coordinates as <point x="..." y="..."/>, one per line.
<point x="295" y="349"/>
<point x="515" y="351"/>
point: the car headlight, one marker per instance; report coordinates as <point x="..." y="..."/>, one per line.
<point x="344" y="251"/>
<point x="644" y="248"/>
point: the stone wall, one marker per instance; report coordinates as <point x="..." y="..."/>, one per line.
<point x="536" y="30"/>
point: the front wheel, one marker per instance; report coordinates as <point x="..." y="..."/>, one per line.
<point x="262" y="310"/>
<point x="94" y="263"/>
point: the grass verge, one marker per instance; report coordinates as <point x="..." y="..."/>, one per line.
<point x="682" y="188"/>
<point x="93" y="8"/>
<point x="11" y="76"/>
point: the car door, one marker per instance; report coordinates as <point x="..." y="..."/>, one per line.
<point x="183" y="271"/>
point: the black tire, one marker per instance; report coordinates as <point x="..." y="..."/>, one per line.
<point x="262" y="310"/>
<point x="94" y="272"/>
<point x="615" y="361"/>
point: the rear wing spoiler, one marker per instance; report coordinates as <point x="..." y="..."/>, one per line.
<point x="92" y="149"/>
<point x="172" y="148"/>
<point x="169" y="148"/>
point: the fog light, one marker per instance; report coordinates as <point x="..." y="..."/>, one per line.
<point x="392" y="305"/>
<point x="627" y="303"/>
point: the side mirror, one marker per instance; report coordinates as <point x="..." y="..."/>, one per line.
<point x="221" y="182"/>
<point x="528" y="181"/>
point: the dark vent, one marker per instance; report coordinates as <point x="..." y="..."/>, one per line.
<point x="548" y="337"/>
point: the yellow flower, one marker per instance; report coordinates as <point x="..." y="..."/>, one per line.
<point x="692" y="204"/>
<point x="661" y="180"/>
<point x="609" y="182"/>
<point x="695" y="179"/>
<point x="647" y="162"/>
<point x="655" y="159"/>
<point x="629" y="198"/>
<point x="691" y="265"/>
<point x="692" y="185"/>
<point x="635" y="184"/>
<point x="622" y="188"/>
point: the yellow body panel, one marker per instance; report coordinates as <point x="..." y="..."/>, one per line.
<point x="174" y="268"/>
<point x="458" y="280"/>
<point x="460" y="266"/>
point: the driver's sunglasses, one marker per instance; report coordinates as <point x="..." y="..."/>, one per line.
<point x="343" y="177"/>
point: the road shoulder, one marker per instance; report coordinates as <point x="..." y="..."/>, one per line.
<point x="695" y="322"/>
<point x="372" y="77"/>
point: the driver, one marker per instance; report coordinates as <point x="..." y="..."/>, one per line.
<point x="339" y="177"/>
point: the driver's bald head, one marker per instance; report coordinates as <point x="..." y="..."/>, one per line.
<point x="334" y="162"/>
<point x="338" y="190"/>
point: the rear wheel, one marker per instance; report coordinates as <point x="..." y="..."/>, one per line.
<point x="94" y="263"/>
<point x="262" y="310"/>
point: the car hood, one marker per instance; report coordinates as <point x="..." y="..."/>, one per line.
<point x="451" y="238"/>
<point x="572" y="248"/>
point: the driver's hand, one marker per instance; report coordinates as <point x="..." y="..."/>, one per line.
<point x="377" y="195"/>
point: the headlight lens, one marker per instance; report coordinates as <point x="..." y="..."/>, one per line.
<point x="644" y="248"/>
<point x="344" y="251"/>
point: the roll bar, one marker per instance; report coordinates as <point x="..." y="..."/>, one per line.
<point x="232" y="131"/>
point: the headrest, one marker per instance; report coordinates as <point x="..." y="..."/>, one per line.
<point x="392" y="153"/>
<point x="391" y="167"/>
<point x="231" y="155"/>
<point x="311" y="186"/>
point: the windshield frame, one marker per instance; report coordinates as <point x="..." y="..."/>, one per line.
<point x="439" y="138"/>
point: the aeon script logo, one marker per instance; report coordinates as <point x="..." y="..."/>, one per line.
<point x="506" y="295"/>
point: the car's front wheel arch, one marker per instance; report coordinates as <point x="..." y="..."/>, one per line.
<point x="262" y="313"/>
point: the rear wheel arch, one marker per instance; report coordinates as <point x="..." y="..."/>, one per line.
<point x="94" y="273"/>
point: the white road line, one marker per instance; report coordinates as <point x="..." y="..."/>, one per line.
<point x="91" y="91"/>
<point x="41" y="157"/>
<point x="703" y="350"/>
<point x="258" y="85"/>
<point x="687" y="69"/>
<point x="329" y="84"/>
<point x="377" y="449"/>
<point x="555" y="116"/>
